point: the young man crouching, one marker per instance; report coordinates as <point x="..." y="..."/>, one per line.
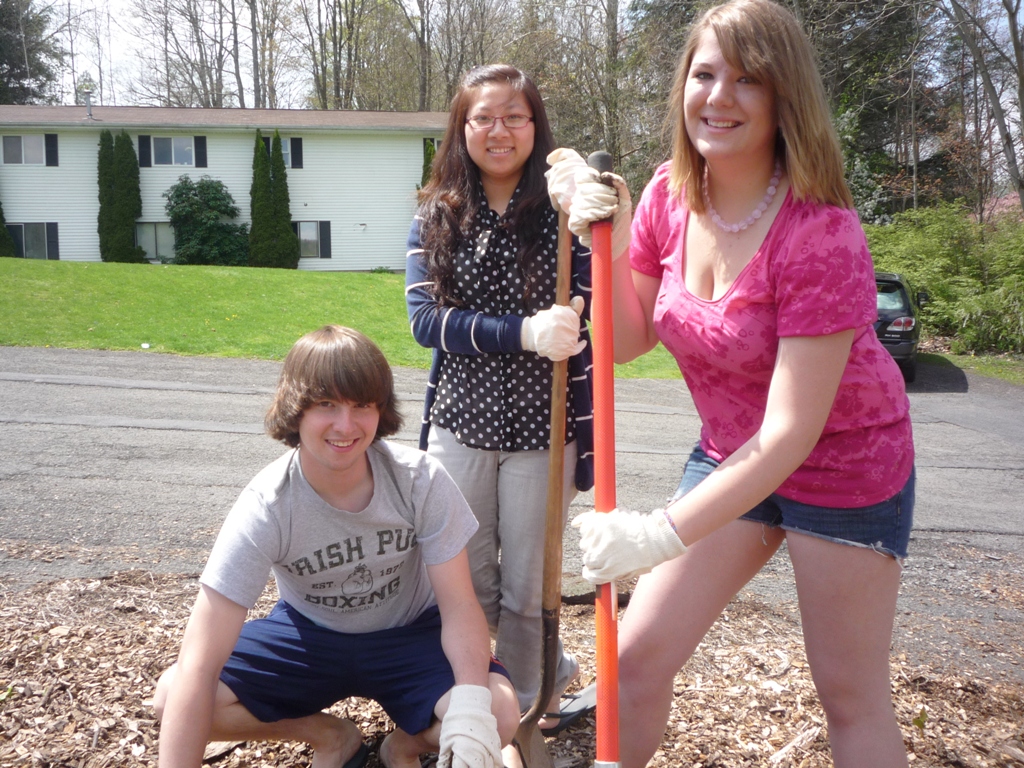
<point x="366" y="540"/>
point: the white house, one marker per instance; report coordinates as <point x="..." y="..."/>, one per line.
<point x="352" y="176"/>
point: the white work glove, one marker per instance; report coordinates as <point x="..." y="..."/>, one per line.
<point x="469" y="732"/>
<point x="554" y="333"/>
<point x="561" y="176"/>
<point x="596" y="201"/>
<point x="620" y="545"/>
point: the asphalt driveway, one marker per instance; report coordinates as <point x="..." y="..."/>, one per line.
<point x="118" y="460"/>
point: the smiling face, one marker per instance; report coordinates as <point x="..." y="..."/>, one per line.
<point x="728" y="115"/>
<point x="333" y="438"/>
<point x="499" y="153"/>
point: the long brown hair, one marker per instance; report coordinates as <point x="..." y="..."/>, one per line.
<point x="452" y="198"/>
<point x="332" y="363"/>
<point x="765" y="40"/>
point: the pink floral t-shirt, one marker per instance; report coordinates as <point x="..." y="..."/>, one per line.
<point x="812" y="276"/>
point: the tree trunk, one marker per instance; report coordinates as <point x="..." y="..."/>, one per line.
<point x="257" y="89"/>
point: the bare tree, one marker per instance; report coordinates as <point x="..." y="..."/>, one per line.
<point x="466" y="33"/>
<point x="991" y="30"/>
<point x="332" y="46"/>
<point x="419" y="25"/>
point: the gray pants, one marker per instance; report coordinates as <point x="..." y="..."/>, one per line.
<point x="508" y="494"/>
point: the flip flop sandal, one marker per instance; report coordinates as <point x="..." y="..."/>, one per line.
<point x="572" y="707"/>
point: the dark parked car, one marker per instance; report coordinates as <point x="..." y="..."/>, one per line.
<point x="897" y="326"/>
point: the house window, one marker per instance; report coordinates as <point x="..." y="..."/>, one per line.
<point x="36" y="240"/>
<point x="172" y="150"/>
<point x="314" y="239"/>
<point x="156" y="238"/>
<point x="291" y="150"/>
<point x="24" y="150"/>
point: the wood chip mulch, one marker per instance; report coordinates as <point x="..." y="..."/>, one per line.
<point x="79" y="659"/>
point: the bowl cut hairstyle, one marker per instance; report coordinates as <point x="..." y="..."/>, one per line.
<point x="766" y="41"/>
<point x="332" y="363"/>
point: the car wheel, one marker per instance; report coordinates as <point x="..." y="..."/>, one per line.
<point x="909" y="369"/>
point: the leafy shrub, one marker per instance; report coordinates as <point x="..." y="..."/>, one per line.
<point x="197" y="211"/>
<point x="974" y="274"/>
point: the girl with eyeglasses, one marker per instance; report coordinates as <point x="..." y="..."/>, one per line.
<point x="480" y="288"/>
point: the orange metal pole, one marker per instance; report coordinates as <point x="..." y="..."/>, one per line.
<point x="606" y="602"/>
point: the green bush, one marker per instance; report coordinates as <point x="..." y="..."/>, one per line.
<point x="197" y="211"/>
<point x="974" y="274"/>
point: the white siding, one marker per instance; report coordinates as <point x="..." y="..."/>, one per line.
<point x="365" y="185"/>
<point x="66" y="194"/>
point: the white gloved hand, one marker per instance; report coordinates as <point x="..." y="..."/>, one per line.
<point x="561" y="176"/>
<point x="596" y="201"/>
<point x="469" y="732"/>
<point x="554" y="333"/>
<point x="621" y="545"/>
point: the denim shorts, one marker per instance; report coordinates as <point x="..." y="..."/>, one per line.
<point x="883" y="527"/>
<point x="285" y="666"/>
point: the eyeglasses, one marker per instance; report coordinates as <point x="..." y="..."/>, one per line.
<point x="486" y="122"/>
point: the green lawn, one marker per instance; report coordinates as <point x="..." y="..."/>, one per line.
<point x="220" y="311"/>
<point x="255" y="313"/>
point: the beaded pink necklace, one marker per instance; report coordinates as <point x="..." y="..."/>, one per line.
<point x="773" y="187"/>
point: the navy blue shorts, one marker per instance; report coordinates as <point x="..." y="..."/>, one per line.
<point x="285" y="666"/>
<point x="883" y="527"/>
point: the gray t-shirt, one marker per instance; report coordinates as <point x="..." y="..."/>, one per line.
<point x="351" y="572"/>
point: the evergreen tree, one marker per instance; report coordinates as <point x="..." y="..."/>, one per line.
<point x="126" y="202"/>
<point x="429" y="150"/>
<point x="287" y="242"/>
<point x="105" y="177"/>
<point x="6" y="241"/>
<point x="272" y="241"/>
<point x="261" y="208"/>
<point x="29" y="52"/>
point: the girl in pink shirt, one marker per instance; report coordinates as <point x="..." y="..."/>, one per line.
<point x="747" y="261"/>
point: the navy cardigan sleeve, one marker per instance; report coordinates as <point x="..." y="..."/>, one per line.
<point x="450" y="329"/>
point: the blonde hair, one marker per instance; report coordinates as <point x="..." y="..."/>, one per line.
<point x="332" y="363"/>
<point x="765" y="40"/>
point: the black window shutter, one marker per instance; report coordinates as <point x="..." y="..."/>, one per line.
<point x="145" y="152"/>
<point x="50" y="140"/>
<point x="200" y="147"/>
<point x="296" y="153"/>
<point x="295" y="228"/>
<point x="18" y="236"/>
<point x="52" y="241"/>
<point x="266" y="143"/>
<point x="325" y="239"/>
